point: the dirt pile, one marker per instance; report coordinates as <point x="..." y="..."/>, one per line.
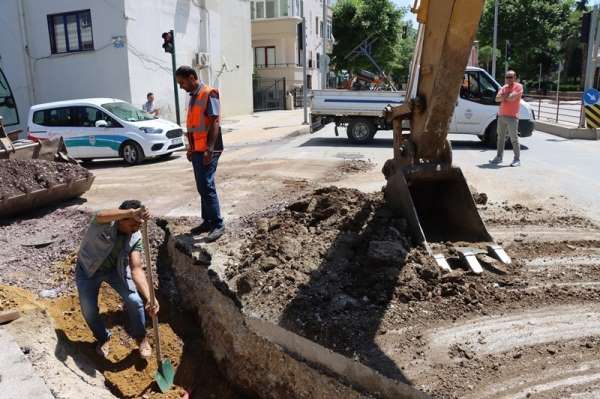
<point x="330" y="265"/>
<point x="24" y="176"/>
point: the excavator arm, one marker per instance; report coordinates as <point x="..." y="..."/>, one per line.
<point x="422" y="184"/>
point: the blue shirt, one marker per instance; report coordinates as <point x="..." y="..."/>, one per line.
<point x="213" y="108"/>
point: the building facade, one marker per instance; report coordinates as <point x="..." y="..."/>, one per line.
<point x="68" y="49"/>
<point x="277" y="39"/>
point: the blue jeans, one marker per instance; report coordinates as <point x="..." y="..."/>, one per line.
<point x="205" y="183"/>
<point x="88" y="289"/>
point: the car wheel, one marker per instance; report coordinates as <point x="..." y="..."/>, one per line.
<point x="360" y="131"/>
<point x="132" y="153"/>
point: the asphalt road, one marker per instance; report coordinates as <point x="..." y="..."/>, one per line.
<point x="554" y="171"/>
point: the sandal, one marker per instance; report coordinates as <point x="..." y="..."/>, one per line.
<point x="145" y="349"/>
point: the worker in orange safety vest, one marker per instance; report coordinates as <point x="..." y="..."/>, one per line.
<point x="205" y="145"/>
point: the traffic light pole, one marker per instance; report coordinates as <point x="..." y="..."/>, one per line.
<point x="175" y="91"/>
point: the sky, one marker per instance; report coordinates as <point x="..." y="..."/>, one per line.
<point x="407" y="3"/>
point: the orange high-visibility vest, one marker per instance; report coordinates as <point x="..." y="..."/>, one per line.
<point x="198" y="122"/>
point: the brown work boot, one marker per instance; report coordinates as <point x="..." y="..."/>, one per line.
<point x="145" y="348"/>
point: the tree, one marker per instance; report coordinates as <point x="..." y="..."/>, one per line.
<point x="485" y="57"/>
<point x="354" y="21"/>
<point x="536" y="29"/>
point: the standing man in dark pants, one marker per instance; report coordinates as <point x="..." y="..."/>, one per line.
<point x="205" y="147"/>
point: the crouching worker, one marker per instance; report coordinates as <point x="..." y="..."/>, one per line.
<point x="111" y="252"/>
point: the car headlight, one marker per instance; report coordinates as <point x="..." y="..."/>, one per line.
<point x="151" y="130"/>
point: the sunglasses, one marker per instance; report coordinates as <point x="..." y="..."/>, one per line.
<point x="509" y="77"/>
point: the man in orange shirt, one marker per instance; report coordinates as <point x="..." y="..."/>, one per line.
<point x="509" y="98"/>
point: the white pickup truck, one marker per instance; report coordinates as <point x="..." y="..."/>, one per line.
<point x="362" y="111"/>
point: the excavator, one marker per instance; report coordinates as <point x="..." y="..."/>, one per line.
<point x="422" y="183"/>
<point x="11" y="147"/>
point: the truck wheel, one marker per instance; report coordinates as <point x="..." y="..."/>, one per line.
<point x="360" y="131"/>
<point x="491" y="136"/>
<point x="132" y="153"/>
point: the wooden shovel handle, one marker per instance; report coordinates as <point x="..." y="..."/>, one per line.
<point x="146" y="244"/>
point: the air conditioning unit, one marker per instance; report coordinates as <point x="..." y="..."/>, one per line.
<point x="201" y="60"/>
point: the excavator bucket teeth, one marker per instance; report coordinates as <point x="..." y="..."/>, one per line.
<point x="437" y="204"/>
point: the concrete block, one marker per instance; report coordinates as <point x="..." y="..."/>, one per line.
<point x="17" y="377"/>
<point x="567" y="132"/>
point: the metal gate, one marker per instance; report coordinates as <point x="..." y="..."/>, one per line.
<point x="269" y="94"/>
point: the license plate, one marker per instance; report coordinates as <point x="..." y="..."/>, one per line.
<point x="178" y="140"/>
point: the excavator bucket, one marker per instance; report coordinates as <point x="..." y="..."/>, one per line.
<point x="53" y="150"/>
<point x="437" y="204"/>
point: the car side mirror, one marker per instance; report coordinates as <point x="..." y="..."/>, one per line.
<point x="101" y="123"/>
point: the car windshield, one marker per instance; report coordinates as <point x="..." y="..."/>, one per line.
<point x="127" y="112"/>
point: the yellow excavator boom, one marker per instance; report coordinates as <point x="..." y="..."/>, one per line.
<point x="422" y="184"/>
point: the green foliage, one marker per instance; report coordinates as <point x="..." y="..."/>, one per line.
<point x="355" y="20"/>
<point x="538" y="31"/>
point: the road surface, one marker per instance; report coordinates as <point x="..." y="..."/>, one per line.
<point x="554" y="171"/>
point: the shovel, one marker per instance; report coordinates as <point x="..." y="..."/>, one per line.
<point x="165" y="373"/>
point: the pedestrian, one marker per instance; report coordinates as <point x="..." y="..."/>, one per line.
<point x="509" y="98"/>
<point x="205" y="144"/>
<point x="111" y="252"/>
<point x="149" y="105"/>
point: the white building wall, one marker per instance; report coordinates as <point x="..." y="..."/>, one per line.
<point x="13" y="59"/>
<point x="101" y="72"/>
<point x="219" y="28"/>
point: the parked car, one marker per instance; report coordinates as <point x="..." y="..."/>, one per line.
<point x="105" y="128"/>
<point x="362" y="111"/>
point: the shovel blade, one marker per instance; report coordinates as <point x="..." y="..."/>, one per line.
<point x="165" y="376"/>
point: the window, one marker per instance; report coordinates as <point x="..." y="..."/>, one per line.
<point x="270" y="8"/>
<point x="318" y="60"/>
<point x="8" y="108"/>
<point x="317" y="26"/>
<point x="127" y="112"/>
<point x="260" y="9"/>
<point x="478" y="87"/>
<point x="70" y="32"/>
<point x="283" y="8"/>
<point x="72" y="117"/>
<point x="264" y="56"/>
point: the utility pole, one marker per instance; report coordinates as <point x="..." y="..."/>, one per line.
<point x="506" y="56"/>
<point x="592" y="53"/>
<point x="495" y="40"/>
<point x="304" y="77"/>
<point x="540" y="80"/>
<point x="324" y="58"/>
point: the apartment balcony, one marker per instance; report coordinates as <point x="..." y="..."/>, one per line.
<point x="292" y="72"/>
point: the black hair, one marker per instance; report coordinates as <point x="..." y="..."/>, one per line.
<point x="186" y="71"/>
<point x="131" y="204"/>
<point x="149" y="94"/>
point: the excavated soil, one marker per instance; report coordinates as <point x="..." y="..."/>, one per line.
<point x="24" y="176"/>
<point x="337" y="267"/>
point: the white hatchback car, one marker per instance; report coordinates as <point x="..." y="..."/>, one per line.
<point x="105" y="128"/>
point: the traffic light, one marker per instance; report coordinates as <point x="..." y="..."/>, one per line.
<point x="167" y="42"/>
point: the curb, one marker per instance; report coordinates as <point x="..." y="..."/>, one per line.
<point x="566" y="132"/>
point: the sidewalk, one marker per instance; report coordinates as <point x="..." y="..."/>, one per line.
<point x="263" y="126"/>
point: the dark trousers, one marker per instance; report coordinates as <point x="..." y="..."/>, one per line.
<point x="205" y="183"/>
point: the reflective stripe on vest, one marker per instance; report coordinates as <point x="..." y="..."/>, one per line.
<point x="197" y="121"/>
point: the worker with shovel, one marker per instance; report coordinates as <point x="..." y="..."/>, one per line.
<point x="111" y="252"/>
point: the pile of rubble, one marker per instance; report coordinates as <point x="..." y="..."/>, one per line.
<point x="24" y="176"/>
